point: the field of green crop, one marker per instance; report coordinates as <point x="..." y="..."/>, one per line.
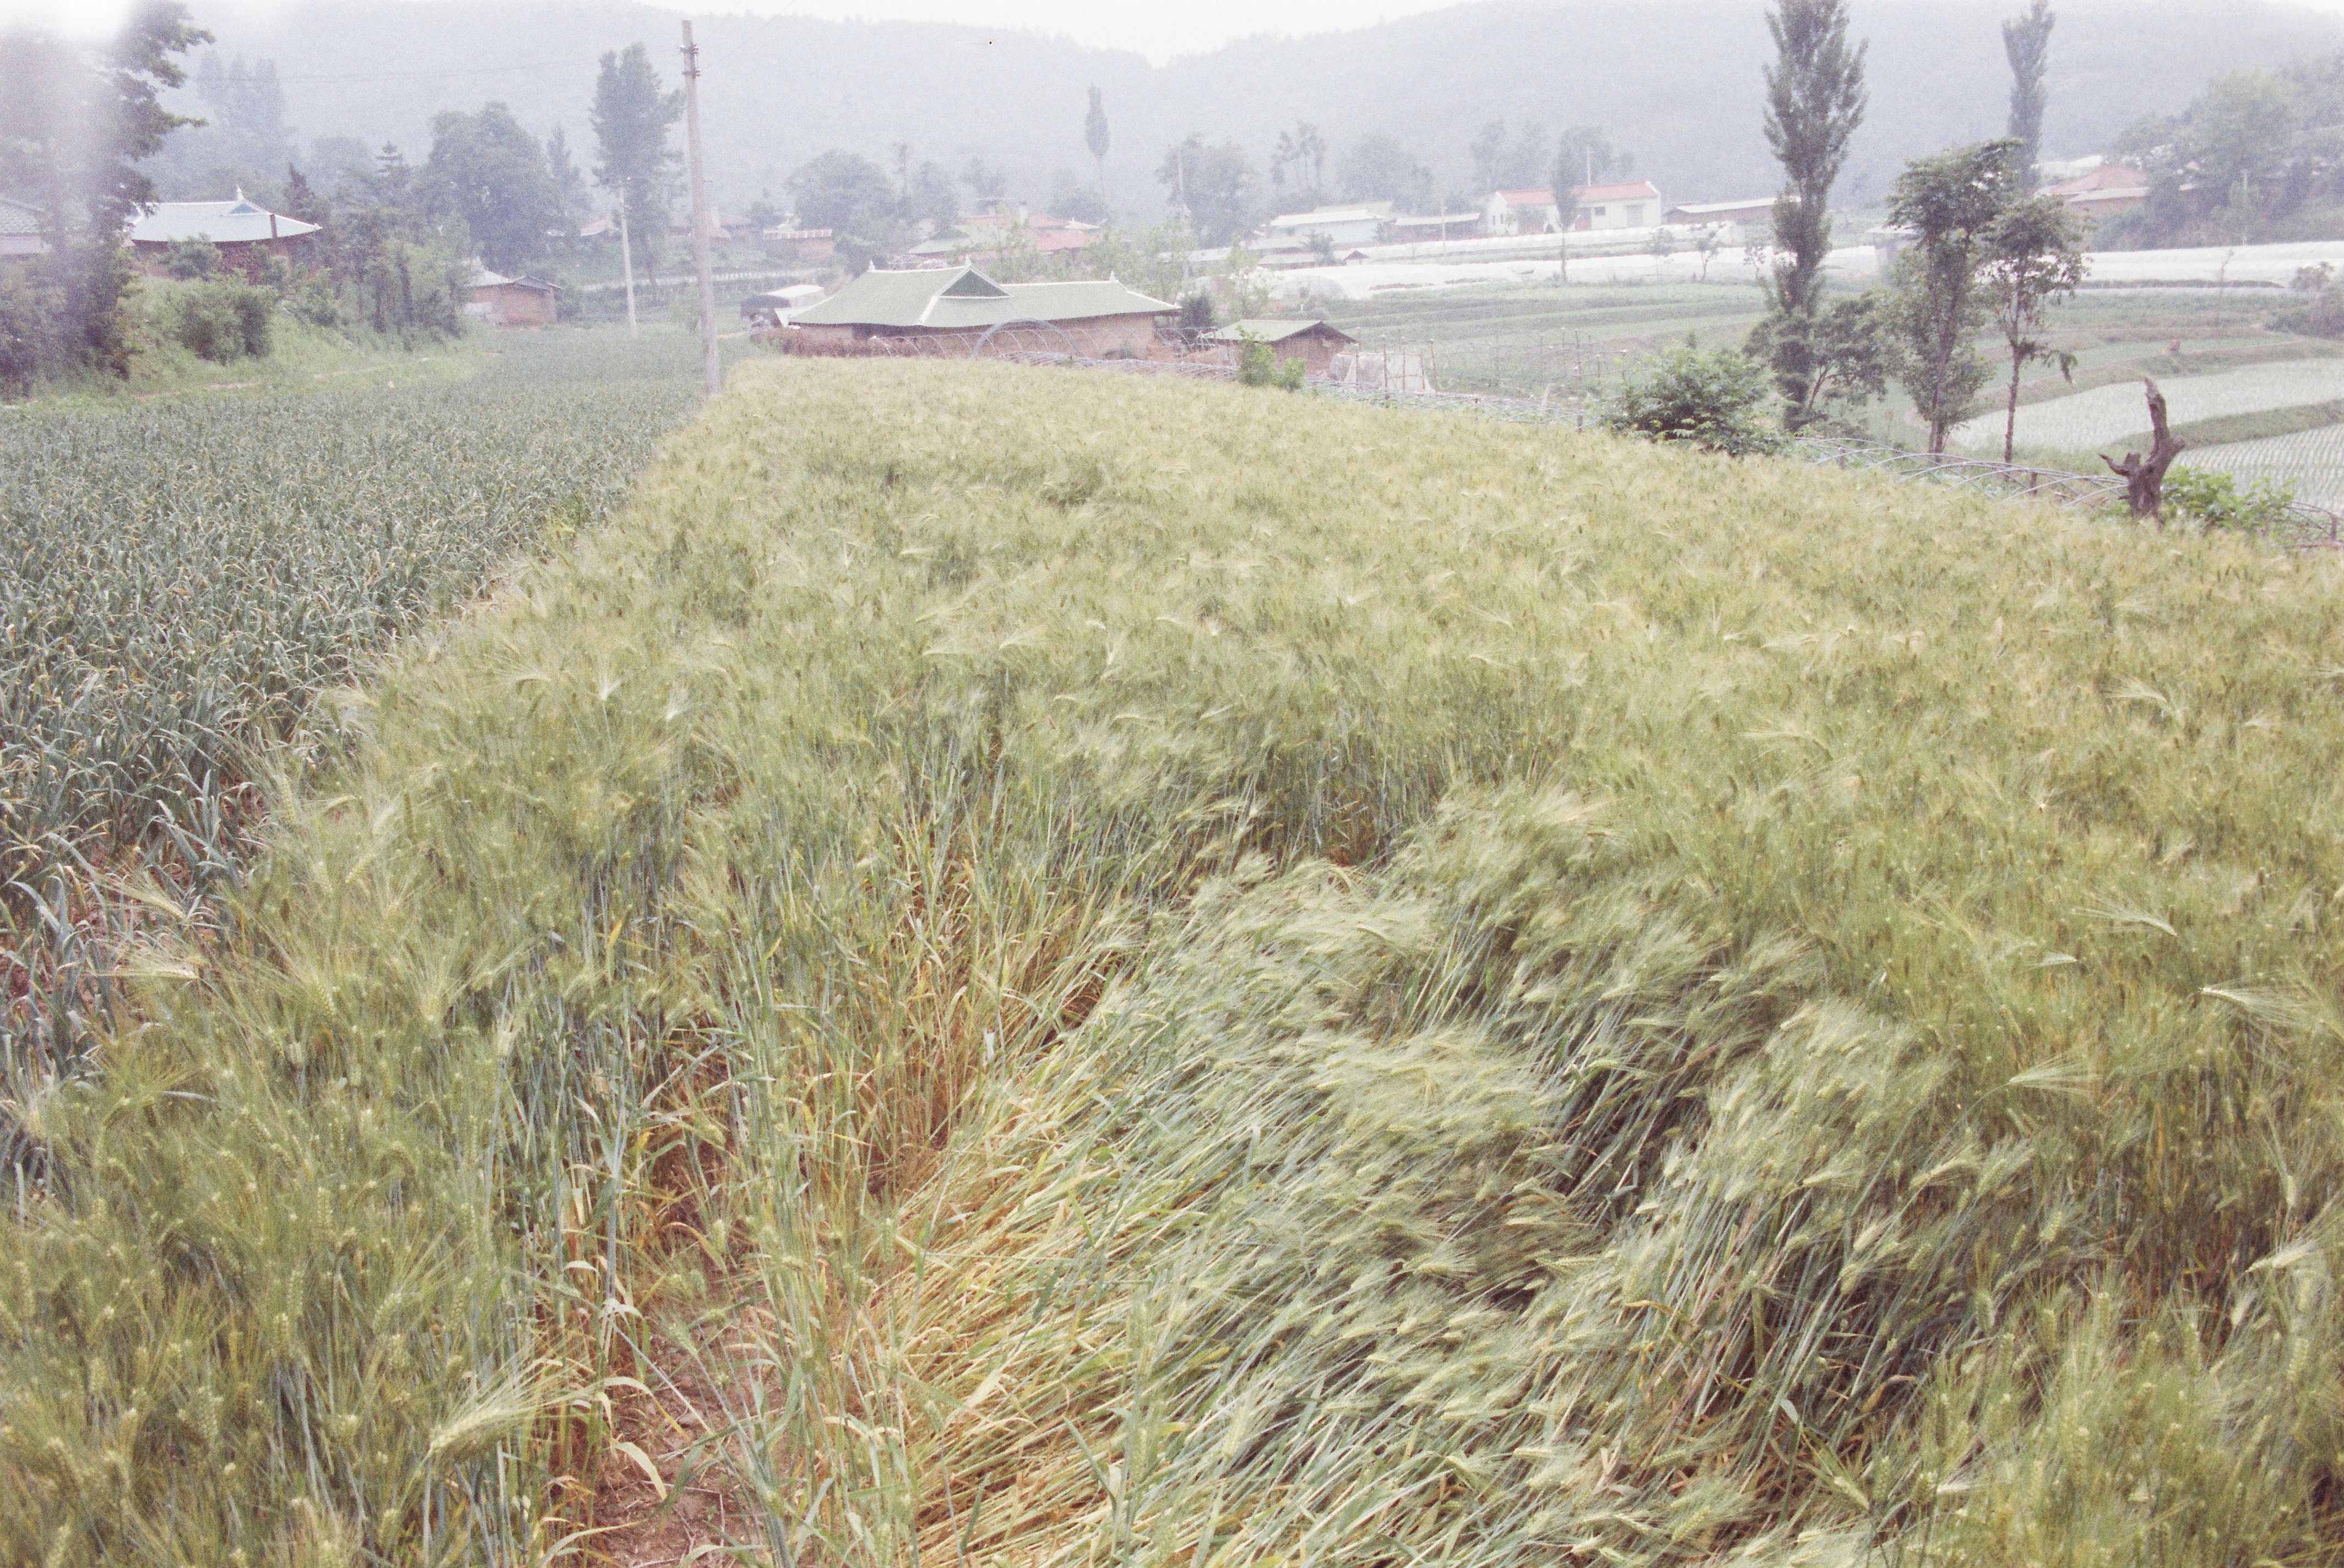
<point x="180" y="579"/>
<point x="2310" y="460"/>
<point x="1023" y="967"/>
<point x="2110" y="414"/>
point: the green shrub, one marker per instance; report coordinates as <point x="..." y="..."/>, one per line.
<point x="2215" y="500"/>
<point x="225" y="321"/>
<point x="28" y="311"/>
<point x="1715" y="400"/>
<point x="192" y="260"/>
<point x="1260" y="366"/>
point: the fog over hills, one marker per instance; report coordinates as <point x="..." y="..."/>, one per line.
<point x="1677" y="82"/>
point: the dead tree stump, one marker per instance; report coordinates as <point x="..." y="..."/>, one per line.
<point x="2145" y="477"/>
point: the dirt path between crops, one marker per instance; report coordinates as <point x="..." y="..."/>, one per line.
<point x="667" y="1492"/>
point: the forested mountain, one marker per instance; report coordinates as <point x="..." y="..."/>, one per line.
<point x="1674" y="82"/>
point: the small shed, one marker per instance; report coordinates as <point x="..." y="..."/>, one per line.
<point x="772" y="308"/>
<point x="1313" y="342"/>
<point x="502" y="301"/>
<point x="246" y="235"/>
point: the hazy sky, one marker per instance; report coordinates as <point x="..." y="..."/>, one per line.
<point x="1155" y="27"/>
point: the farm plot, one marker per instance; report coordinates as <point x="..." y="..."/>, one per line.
<point x="2310" y="460"/>
<point x="2110" y="414"/>
<point x="1414" y="991"/>
<point x="179" y="580"/>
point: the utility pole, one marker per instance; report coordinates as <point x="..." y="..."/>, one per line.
<point x="699" y="213"/>
<point x="627" y="259"/>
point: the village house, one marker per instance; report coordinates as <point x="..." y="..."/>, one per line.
<point x="950" y="309"/>
<point x="502" y="301"/>
<point x="20" y="231"/>
<point x="1635" y="204"/>
<point x="1519" y="212"/>
<point x="989" y="236"/>
<point x="1312" y="342"/>
<point x="2102" y="192"/>
<point x="248" y="236"/>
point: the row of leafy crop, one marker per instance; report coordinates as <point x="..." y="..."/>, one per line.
<point x="180" y="579"/>
<point x="1144" y="983"/>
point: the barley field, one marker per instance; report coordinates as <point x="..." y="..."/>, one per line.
<point x="1024" y="967"/>
<point x="2110" y="414"/>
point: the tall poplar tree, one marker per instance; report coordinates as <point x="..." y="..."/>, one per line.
<point x="2026" y="40"/>
<point x="1095" y="137"/>
<point x="631" y="117"/>
<point x="1815" y="101"/>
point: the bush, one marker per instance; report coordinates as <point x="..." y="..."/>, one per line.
<point x="2215" y="500"/>
<point x="224" y="322"/>
<point x="1260" y="366"/>
<point x="1196" y="313"/>
<point x="28" y="311"/>
<point x="1715" y="400"/>
<point x="315" y="303"/>
<point x="191" y="260"/>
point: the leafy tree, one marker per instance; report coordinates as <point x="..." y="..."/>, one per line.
<point x="1154" y="261"/>
<point x="841" y="190"/>
<point x="1214" y="186"/>
<point x="2035" y="254"/>
<point x="932" y="196"/>
<point x="1196" y="313"/>
<point x="631" y="116"/>
<point x="2027" y="41"/>
<point x="1488" y="151"/>
<point x="75" y="125"/>
<point x="1715" y="400"/>
<point x="1528" y="157"/>
<point x="1583" y="154"/>
<point x="569" y="184"/>
<point x="1303" y="150"/>
<point x="300" y="199"/>
<point x="1952" y="205"/>
<point x="1094" y="137"/>
<point x="849" y="194"/>
<point x="1070" y="198"/>
<point x="2239" y="131"/>
<point x="1815" y="101"/>
<point x="1378" y="168"/>
<point x="490" y="175"/>
<point x="987" y="184"/>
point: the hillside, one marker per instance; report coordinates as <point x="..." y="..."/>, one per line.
<point x="1021" y="966"/>
<point x="1675" y="81"/>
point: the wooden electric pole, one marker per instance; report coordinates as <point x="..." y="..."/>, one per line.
<point x="700" y="224"/>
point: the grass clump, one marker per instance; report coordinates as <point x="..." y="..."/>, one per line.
<point x="1144" y="984"/>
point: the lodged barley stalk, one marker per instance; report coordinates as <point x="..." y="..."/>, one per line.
<point x="1113" y="971"/>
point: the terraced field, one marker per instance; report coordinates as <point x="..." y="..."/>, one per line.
<point x="2310" y="460"/>
<point x="2110" y="414"/>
